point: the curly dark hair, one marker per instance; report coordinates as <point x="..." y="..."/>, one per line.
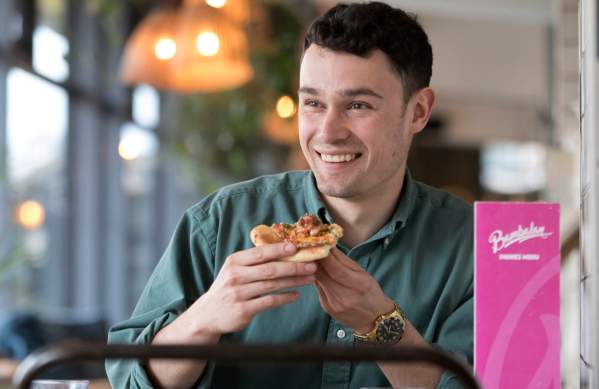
<point x="362" y="27"/>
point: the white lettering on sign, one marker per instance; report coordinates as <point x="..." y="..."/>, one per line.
<point x="499" y="240"/>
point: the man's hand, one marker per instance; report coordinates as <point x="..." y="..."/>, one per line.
<point x="246" y="286"/>
<point x="350" y="294"/>
<point x="243" y="288"/>
<point x="354" y="298"/>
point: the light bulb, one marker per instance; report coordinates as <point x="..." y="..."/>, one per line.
<point x="216" y="3"/>
<point x="208" y="44"/>
<point x="165" y="48"/>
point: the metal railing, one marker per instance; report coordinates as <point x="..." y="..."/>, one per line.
<point x="78" y="351"/>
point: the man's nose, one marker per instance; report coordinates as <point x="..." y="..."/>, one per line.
<point x="334" y="126"/>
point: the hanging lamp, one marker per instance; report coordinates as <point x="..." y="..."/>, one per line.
<point x="213" y="53"/>
<point x="150" y="49"/>
<point x="193" y="48"/>
<point x="237" y="11"/>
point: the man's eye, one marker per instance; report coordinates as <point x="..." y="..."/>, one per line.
<point x="311" y="103"/>
<point x="359" y="106"/>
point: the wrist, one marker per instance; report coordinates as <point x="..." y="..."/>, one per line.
<point x="388" y="328"/>
<point x="387" y="306"/>
<point x="199" y="325"/>
<point x="186" y="330"/>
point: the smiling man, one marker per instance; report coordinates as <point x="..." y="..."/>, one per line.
<point x="401" y="274"/>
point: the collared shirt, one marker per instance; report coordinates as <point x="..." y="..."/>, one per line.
<point x="422" y="258"/>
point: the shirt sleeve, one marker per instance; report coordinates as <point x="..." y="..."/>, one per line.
<point x="184" y="272"/>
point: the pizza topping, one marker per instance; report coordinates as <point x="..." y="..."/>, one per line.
<point x="309" y="231"/>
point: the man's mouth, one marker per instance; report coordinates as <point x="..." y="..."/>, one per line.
<point x="338" y="158"/>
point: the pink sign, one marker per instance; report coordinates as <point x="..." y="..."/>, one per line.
<point x="516" y="295"/>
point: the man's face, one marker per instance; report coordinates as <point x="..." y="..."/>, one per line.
<point x="352" y="122"/>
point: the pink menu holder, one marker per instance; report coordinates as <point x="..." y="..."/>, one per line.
<point x="516" y="295"/>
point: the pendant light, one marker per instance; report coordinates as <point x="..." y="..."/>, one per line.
<point x="213" y="53"/>
<point x="193" y="48"/>
<point x="237" y="11"/>
<point x="150" y="49"/>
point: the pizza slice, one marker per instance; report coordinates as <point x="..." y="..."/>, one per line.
<point x="310" y="235"/>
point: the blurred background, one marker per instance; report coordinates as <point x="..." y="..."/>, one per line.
<point x="111" y="125"/>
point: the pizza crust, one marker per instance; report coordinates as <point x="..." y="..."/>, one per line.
<point x="263" y="234"/>
<point x="309" y="254"/>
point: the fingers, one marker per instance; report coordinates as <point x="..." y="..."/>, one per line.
<point x="333" y="271"/>
<point x="260" y="304"/>
<point x="262" y="254"/>
<point x="275" y="270"/>
<point x="345" y="260"/>
<point x="260" y="288"/>
<point x="330" y="286"/>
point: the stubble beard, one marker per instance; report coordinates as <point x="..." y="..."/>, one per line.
<point x="342" y="193"/>
<point x="344" y="188"/>
<point x="357" y="186"/>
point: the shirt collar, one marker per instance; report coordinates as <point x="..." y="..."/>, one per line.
<point x="314" y="203"/>
<point x="407" y="201"/>
<point x="405" y="207"/>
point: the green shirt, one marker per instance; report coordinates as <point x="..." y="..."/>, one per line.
<point x="422" y="258"/>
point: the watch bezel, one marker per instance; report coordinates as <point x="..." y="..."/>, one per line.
<point x="396" y="335"/>
<point x="374" y="337"/>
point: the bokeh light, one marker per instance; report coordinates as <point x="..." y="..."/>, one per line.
<point x="208" y="44"/>
<point x="165" y="48"/>
<point x="285" y="107"/>
<point x="30" y="214"/>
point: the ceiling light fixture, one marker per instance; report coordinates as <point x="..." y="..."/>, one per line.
<point x="198" y="47"/>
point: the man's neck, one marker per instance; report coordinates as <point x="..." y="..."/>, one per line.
<point x="361" y="217"/>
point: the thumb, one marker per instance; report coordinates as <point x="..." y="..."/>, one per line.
<point x="345" y="260"/>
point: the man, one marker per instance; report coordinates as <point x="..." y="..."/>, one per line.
<point x="363" y="95"/>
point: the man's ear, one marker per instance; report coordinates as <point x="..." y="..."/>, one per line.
<point x="422" y="106"/>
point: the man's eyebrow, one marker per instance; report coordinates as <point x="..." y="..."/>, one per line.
<point x="345" y="92"/>
<point x="359" y="92"/>
<point x="308" y="90"/>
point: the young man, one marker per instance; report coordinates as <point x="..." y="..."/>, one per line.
<point x="363" y="95"/>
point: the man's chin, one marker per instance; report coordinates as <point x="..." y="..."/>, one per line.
<point x="340" y="191"/>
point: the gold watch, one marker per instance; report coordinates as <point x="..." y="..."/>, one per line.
<point x="388" y="328"/>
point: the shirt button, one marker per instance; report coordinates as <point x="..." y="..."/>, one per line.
<point x="386" y="242"/>
<point x="340" y="334"/>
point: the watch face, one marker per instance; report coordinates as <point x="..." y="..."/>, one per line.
<point x="390" y="331"/>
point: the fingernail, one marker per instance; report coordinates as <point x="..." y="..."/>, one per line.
<point x="289" y="247"/>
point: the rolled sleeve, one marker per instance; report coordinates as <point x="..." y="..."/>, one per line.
<point x="182" y="275"/>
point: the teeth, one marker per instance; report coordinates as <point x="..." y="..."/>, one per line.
<point x="338" y="158"/>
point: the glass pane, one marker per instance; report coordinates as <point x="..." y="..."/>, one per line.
<point x="137" y="144"/>
<point x="146" y="106"/>
<point x="50" y="46"/>
<point x="36" y="127"/>
<point x="49" y="53"/>
<point x="139" y="151"/>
